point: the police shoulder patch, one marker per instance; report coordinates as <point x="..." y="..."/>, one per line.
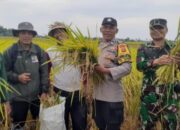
<point x="123" y="53"/>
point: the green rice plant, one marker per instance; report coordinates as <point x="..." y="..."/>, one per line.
<point x="132" y="92"/>
<point x="5" y="88"/>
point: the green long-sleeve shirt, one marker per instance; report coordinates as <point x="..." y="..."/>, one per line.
<point x="27" y="61"/>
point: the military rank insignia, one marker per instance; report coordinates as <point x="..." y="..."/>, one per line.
<point x="123" y="54"/>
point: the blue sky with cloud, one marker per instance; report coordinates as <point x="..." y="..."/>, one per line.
<point x="133" y="16"/>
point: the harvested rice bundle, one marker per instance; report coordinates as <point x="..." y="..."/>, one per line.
<point x="81" y="52"/>
<point x="51" y="101"/>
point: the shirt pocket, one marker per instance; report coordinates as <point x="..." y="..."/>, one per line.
<point x="32" y="65"/>
<point x="109" y="57"/>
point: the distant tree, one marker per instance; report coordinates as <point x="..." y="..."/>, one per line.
<point x="5" y="31"/>
<point x="127" y="39"/>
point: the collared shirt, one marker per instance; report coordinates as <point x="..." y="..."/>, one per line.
<point x="111" y="89"/>
<point x="26" y="61"/>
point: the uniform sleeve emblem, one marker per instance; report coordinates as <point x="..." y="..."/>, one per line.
<point x="123" y="53"/>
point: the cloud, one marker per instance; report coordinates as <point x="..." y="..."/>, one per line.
<point x="133" y="16"/>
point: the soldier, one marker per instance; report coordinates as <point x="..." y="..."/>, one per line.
<point x="156" y="105"/>
<point x="26" y="74"/>
<point x="67" y="82"/>
<point x="114" y="63"/>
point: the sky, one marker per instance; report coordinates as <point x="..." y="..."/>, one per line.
<point x="133" y="16"/>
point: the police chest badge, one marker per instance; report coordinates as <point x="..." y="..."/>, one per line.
<point x="34" y="59"/>
<point x="123" y="53"/>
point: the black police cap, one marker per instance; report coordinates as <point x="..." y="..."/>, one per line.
<point x="109" y="21"/>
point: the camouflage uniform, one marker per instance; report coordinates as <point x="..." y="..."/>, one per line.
<point x="158" y="103"/>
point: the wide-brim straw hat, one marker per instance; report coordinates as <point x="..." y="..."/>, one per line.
<point x="56" y="25"/>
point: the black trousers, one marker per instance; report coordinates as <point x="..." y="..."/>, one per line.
<point x="20" y="111"/>
<point x="108" y="115"/>
<point x="76" y="106"/>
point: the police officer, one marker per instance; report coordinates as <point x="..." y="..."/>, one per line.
<point x="156" y="105"/>
<point x="108" y="96"/>
<point x="26" y="74"/>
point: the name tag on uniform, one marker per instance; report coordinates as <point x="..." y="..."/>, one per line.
<point x="34" y="59"/>
<point x="19" y="57"/>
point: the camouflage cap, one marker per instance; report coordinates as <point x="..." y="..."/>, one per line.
<point x="158" y="22"/>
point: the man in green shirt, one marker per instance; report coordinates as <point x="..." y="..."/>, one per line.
<point x="158" y="102"/>
<point x="27" y="74"/>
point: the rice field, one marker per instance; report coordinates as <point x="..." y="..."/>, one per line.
<point x="6" y="42"/>
<point x="132" y="83"/>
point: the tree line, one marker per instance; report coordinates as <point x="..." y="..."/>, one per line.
<point x="5" y="31"/>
